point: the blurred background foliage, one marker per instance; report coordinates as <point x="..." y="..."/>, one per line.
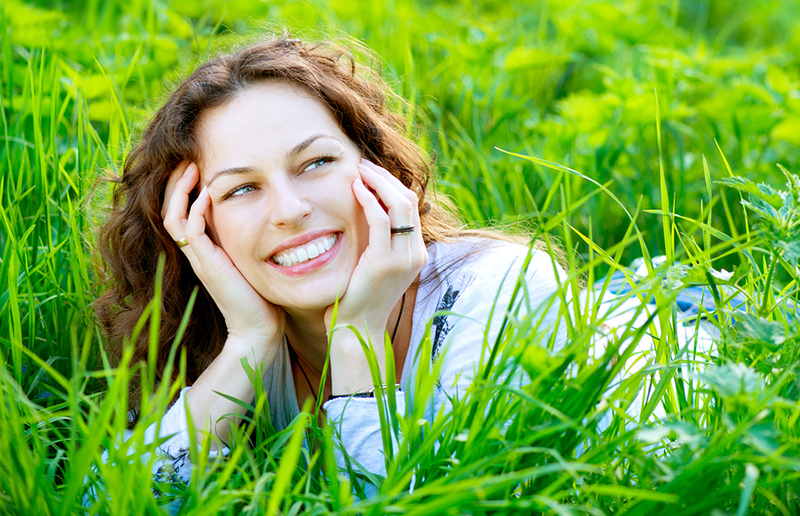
<point x="572" y="81"/>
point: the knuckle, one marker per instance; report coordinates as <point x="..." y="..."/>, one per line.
<point x="190" y="235"/>
<point x="408" y="210"/>
<point x="419" y="260"/>
<point x="411" y="196"/>
<point x="382" y="220"/>
<point x="169" y="225"/>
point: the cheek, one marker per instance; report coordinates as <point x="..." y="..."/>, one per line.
<point x="334" y="192"/>
<point x="231" y="230"/>
<point x="338" y="200"/>
<point x="344" y="201"/>
<point x="355" y="216"/>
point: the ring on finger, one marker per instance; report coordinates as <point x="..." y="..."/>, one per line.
<point x="403" y="230"/>
<point x="182" y="242"/>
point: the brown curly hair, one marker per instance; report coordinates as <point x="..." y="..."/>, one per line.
<point x="133" y="238"/>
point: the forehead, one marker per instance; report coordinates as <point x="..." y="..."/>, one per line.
<point x="267" y="118"/>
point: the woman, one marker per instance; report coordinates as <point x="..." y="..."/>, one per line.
<point x="278" y="180"/>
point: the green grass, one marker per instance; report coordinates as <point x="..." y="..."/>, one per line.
<point x="639" y="122"/>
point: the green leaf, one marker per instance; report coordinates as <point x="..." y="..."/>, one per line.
<point x="732" y="380"/>
<point x="751" y="475"/>
<point x="760" y="329"/>
<point x="681" y="433"/>
<point x="763" y="438"/>
<point x="791" y="250"/>
<point x="760" y="191"/>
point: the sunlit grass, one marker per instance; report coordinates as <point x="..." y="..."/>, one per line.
<point x="592" y="161"/>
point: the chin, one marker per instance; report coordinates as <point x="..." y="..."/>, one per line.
<point x="312" y="294"/>
<point x="320" y="302"/>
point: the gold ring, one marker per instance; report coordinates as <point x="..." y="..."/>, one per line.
<point x="182" y="242"/>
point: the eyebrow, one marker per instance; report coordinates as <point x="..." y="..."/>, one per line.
<point x="300" y="147"/>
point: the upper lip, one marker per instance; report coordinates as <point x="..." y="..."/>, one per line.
<point x="302" y="239"/>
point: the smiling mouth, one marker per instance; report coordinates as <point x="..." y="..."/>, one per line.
<point x="304" y="253"/>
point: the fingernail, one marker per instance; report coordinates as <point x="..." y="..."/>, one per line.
<point x="188" y="169"/>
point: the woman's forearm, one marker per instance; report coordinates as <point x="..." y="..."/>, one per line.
<point x="227" y="376"/>
<point x="349" y="367"/>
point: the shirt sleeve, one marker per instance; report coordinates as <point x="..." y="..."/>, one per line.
<point x="357" y="428"/>
<point x="485" y="300"/>
<point x="479" y="293"/>
<point x="172" y="456"/>
<point x="171" y="464"/>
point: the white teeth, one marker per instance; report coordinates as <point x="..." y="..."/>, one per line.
<point x="303" y="254"/>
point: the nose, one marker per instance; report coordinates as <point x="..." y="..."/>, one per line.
<point x="288" y="206"/>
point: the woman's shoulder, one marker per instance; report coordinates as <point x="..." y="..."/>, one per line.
<point x="484" y="256"/>
<point x="482" y="263"/>
<point x="471" y="277"/>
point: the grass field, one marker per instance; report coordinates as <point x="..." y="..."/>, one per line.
<point x="625" y="129"/>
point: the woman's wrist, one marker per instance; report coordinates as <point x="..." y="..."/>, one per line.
<point x="370" y="392"/>
<point x="364" y="324"/>
<point x="256" y="349"/>
<point x="350" y="370"/>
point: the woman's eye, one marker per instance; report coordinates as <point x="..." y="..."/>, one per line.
<point x="242" y="190"/>
<point x="317" y="163"/>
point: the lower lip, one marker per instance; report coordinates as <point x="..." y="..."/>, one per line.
<point x="312" y="264"/>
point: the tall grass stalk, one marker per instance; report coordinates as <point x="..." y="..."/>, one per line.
<point x="627" y="418"/>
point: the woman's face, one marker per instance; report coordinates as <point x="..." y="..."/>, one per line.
<point x="279" y="172"/>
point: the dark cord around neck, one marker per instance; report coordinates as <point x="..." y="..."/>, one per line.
<point x="399" y="317"/>
<point x="297" y="359"/>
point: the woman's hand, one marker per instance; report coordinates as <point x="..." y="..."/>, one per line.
<point x="386" y="269"/>
<point x="248" y="316"/>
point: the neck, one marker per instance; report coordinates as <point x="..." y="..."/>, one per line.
<point x="309" y="339"/>
<point x="308" y="335"/>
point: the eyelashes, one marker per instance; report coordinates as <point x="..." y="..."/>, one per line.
<point x="318" y="162"/>
<point x="238" y="191"/>
<point x="308" y="166"/>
